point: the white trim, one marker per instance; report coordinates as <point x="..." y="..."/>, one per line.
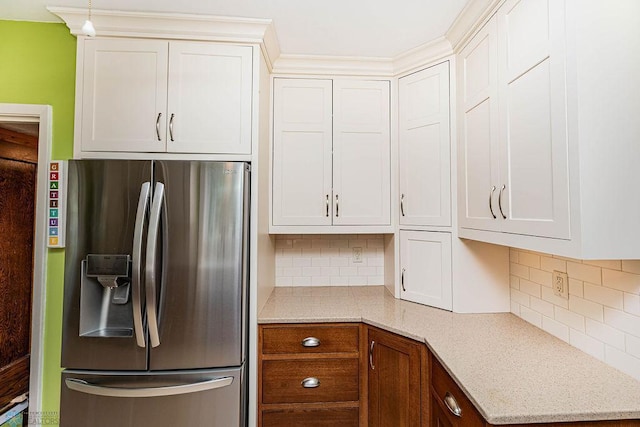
<point x="43" y="115"/>
<point x="469" y="21"/>
<point x="333" y="65"/>
<point x="415" y="59"/>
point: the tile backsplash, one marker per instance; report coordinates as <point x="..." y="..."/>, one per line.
<point x="328" y="260"/>
<point x="601" y="316"/>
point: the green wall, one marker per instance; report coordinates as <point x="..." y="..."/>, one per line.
<point x="37" y="66"/>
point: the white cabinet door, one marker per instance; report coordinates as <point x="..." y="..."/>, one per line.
<point x="425" y="266"/>
<point x="361" y="158"/>
<point x="478" y="153"/>
<point x="209" y="98"/>
<point x="424" y="147"/>
<point x="124" y="95"/>
<point x="301" y="193"/>
<point x="532" y="91"/>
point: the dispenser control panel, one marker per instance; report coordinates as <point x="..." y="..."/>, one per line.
<point x="107" y="265"/>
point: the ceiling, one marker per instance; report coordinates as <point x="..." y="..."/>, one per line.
<point x="362" y="28"/>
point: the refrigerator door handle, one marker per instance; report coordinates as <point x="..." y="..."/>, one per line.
<point x="151" y="273"/>
<point x="100" y="390"/>
<point x="143" y="205"/>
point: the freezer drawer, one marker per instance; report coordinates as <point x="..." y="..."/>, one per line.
<point x="214" y="398"/>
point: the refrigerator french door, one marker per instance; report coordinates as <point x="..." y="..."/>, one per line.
<point x="154" y="323"/>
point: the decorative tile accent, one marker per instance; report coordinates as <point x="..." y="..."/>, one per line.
<point x="601" y="316"/>
<point x="327" y="260"/>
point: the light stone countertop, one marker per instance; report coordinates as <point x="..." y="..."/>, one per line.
<point x="512" y="371"/>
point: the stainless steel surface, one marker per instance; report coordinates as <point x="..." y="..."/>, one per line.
<point x="452" y="405"/>
<point x="373" y="343"/>
<point x="327" y="205"/>
<point x="500" y="201"/>
<point x="202" y="314"/>
<point x="310" y="342"/>
<point x="402" y="204"/>
<point x="170" y="390"/>
<point x="171" y="126"/>
<point x="217" y="407"/>
<point x="493" y="189"/>
<point x="136" y="274"/>
<point x="151" y="276"/>
<point x="337" y="207"/>
<point x="402" y="280"/>
<point x="158" y="126"/>
<point x="311" y="382"/>
<point x="102" y="200"/>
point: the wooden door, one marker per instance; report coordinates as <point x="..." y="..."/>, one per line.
<point x="424" y="147"/>
<point x="395" y="395"/>
<point x="534" y="182"/>
<point x="124" y="95"/>
<point x="361" y="153"/>
<point x="302" y="144"/>
<point x="478" y="151"/>
<point x="425" y="268"/>
<point x="439" y="417"/>
<point x="209" y="98"/>
<point x="18" y="165"/>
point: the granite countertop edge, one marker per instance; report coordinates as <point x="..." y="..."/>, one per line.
<point x="491" y="415"/>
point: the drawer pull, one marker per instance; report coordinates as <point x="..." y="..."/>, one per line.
<point x="311" y="382"/>
<point x="310" y="342"/>
<point x="452" y="405"/>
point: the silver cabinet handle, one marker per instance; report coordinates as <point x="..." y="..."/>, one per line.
<point x="402" y="280"/>
<point x="310" y="342"/>
<point x="402" y="204"/>
<point x="452" y="405"/>
<point x="151" y="273"/>
<point x="337" y="207"/>
<point x="373" y="343"/>
<point x="327" y="205"/>
<point x="311" y="382"/>
<point x="500" y="202"/>
<point x="490" y="202"/>
<point x="99" y="390"/>
<point x="158" y="126"/>
<point x="136" y="279"/>
<point x="171" y="126"/>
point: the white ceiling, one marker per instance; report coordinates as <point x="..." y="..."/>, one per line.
<point x="363" y="28"/>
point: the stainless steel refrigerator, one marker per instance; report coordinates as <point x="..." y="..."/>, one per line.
<point x="155" y="294"/>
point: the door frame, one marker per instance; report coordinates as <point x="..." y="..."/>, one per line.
<point x="41" y="114"/>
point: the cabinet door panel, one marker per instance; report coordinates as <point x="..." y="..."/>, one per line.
<point x="425" y="264"/>
<point x="533" y="120"/>
<point x="424" y="147"/>
<point x="479" y="170"/>
<point x="361" y="159"/>
<point x="209" y="98"/>
<point x="124" y="91"/>
<point x="302" y="152"/>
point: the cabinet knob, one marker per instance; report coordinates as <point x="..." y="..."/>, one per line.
<point x="452" y="405"/>
<point x="311" y="382"/>
<point x="310" y="342"/>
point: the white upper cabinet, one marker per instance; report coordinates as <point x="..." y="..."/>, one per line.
<point x="425" y="147"/>
<point x="513" y="140"/>
<point x="165" y="96"/>
<point x="331" y="155"/>
<point x="302" y="136"/>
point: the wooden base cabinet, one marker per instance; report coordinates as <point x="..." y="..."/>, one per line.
<point x="310" y="375"/>
<point x="396" y="393"/>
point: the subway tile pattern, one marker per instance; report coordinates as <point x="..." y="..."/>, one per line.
<point x="601" y="316"/>
<point x="327" y="260"/>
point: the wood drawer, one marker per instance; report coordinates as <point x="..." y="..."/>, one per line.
<point x="281" y="380"/>
<point x="442" y="385"/>
<point x="330" y="417"/>
<point x="288" y="339"/>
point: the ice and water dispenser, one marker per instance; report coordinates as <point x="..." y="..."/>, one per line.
<point x="105" y="307"/>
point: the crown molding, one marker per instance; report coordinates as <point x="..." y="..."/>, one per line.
<point x="175" y="26"/>
<point x="472" y="17"/>
<point x="333" y="65"/>
<point x="415" y="58"/>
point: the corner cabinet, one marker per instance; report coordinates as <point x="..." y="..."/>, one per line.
<point x="137" y="95"/>
<point x="331" y="155"/>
